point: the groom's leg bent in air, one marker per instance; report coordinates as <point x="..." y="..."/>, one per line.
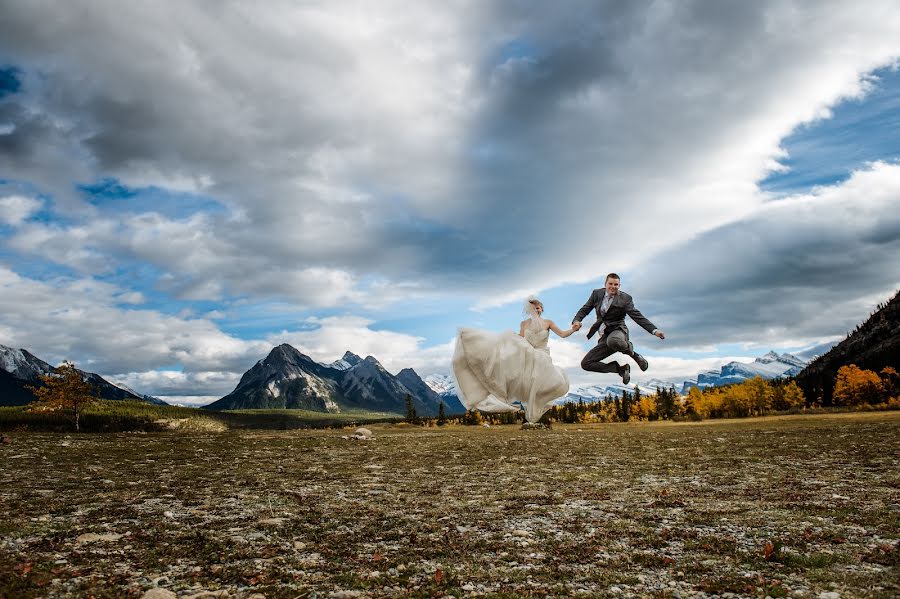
<point x="593" y="360"/>
<point x="619" y="341"/>
<point x="607" y="346"/>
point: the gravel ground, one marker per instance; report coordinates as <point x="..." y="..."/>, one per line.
<point x="800" y="506"/>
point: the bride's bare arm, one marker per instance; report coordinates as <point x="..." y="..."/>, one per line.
<point x="522" y="328"/>
<point x="560" y="332"/>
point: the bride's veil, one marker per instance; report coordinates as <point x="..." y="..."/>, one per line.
<point x="530" y="311"/>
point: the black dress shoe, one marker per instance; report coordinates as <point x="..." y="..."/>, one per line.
<point x="641" y="361"/>
<point x="626" y="374"/>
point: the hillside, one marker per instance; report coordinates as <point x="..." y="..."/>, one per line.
<point x="872" y="346"/>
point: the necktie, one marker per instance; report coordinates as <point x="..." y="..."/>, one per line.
<point x="604" y="306"/>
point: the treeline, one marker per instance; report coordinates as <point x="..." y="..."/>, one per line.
<point x="854" y="388"/>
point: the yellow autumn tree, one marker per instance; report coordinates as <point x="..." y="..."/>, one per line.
<point x="711" y="403"/>
<point x="736" y="401"/>
<point x="64" y="390"/>
<point x="855" y="386"/>
<point x="644" y="409"/>
<point x="692" y="407"/>
<point x="758" y="395"/>
<point x="789" y="396"/>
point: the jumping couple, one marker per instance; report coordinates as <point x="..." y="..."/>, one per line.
<point x="497" y="371"/>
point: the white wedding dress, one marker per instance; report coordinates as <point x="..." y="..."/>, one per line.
<point x="495" y="371"/>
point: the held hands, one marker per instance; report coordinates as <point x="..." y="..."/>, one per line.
<point x="576" y="326"/>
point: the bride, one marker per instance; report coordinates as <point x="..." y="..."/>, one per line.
<point x="494" y="371"/>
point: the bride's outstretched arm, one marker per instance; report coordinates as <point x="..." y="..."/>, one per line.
<point x="559" y="331"/>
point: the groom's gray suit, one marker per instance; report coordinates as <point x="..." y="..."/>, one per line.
<point x="614" y="336"/>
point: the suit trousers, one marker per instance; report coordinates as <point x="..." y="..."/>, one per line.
<point x="607" y="346"/>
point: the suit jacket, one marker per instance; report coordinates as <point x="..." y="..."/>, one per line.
<point x="614" y="318"/>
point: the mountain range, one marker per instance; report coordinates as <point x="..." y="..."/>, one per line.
<point x="770" y="366"/>
<point x="287" y="378"/>
<point x="20" y="369"/>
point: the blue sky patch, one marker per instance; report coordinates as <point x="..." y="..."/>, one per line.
<point x="113" y="196"/>
<point x="517" y="48"/>
<point x="10" y="81"/>
<point x="860" y="131"/>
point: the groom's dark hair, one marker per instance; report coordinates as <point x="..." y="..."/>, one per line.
<point x="612" y="275"/>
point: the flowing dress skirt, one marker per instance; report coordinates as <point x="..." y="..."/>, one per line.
<point x="494" y="371"/>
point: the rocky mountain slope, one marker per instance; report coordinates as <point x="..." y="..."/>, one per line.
<point x="287" y="378"/>
<point x="20" y="369"/>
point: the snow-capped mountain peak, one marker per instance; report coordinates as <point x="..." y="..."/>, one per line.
<point x="346" y="362"/>
<point x="769" y="366"/>
<point x="21" y="364"/>
<point x="769" y="357"/>
<point x="440" y="383"/>
<point x="794" y="360"/>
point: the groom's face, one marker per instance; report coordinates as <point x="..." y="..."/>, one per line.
<point x="612" y="286"/>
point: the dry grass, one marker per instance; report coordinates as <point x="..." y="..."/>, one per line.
<point x="657" y="510"/>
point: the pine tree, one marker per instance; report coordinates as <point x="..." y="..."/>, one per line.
<point x="442" y="415"/>
<point x="64" y="390"/>
<point x="890" y="382"/>
<point x="411" y="416"/>
<point x="659" y="402"/>
<point x="626" y="406"/>
<point x="665" y="403"/>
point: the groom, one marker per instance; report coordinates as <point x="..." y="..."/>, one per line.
<point x="612" y="305"/>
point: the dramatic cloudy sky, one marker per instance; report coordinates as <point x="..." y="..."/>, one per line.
<point x="184" y="185"/>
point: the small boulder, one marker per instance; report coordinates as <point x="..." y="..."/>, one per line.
<point x="5" y="439"/>
<point x="534" y="426"/>
<point x="361" y="434"/>
<point x="158" y="593"/>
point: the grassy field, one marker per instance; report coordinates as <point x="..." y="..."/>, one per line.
<point x="117" y="416"/>
<point x="801" y="506"/>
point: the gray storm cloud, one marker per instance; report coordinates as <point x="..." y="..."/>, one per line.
<point x="799" y="269"/>
<point x="490" y="148"/>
